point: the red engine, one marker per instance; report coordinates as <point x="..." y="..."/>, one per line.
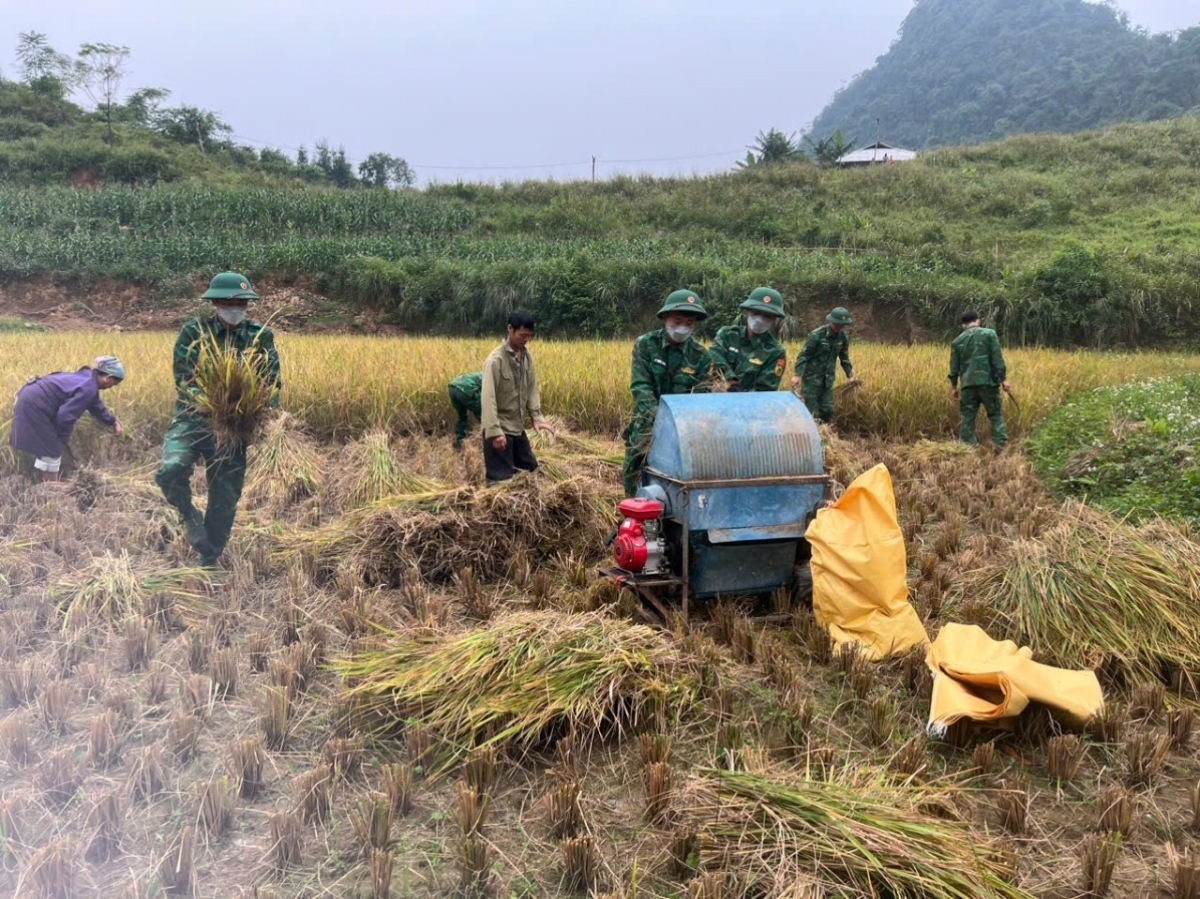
<point x="639" y="546"/>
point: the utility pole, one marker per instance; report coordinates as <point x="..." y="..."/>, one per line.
<point x="593" y="169"/>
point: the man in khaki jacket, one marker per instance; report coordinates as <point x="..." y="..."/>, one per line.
<point x="510" y="394"/>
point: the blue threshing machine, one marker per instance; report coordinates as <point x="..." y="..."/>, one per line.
<point x="730" y="484"/>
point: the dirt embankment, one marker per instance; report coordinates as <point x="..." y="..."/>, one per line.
<point x="106" y="304"/>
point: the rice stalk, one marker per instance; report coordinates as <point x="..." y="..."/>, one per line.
<point x="442" y="531"/>
<point x="372" y="823"/>
<point x="246" y="760"/>
<point x="53" y="871"/>
<point x="114" y="587"/>
<point x="16" y="742"/>
<point x="1185" y="873"/>
<point x="657" y="778"/>
<point x="106" y="739"/>
<point x="983" y="758"/>
<point x="1117" y="807"/>
<point x="471" y="809"/>
<point x="563" y="813"/>
<point x="106" y="821"/>
<point x="399" y="784"/>
<point x="580" y="862"/>
<point x="1179" y="727"/>
<point x="1132" y="581"/>
<point x="1064" y="754"/>
<point x="476" y="857"/>
<point x="283" y="466"/>
<point x="1145" y="757"/>
<point x="856" y="833"/>
<point x="232" y="389"/>
<point x="1013" y="806"/>
<point x="683" y="852"/>
<point x="217" y="801"/>
<point x="177" y="869"/>
<point x="381" y="873"/>
<point x="57" y="706"/>
<point x="1194" y="805"/>
<point x="276" y="718"/>
<point x="287" y="840"/>
<point x="1099" y="857"/>
<point x="371" y="471"/>
<point x="510" y="685"/>
<point x="312" y="793"/>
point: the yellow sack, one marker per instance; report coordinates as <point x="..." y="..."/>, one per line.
<point x="860" y="587"/>
<point x="983" y="679"/>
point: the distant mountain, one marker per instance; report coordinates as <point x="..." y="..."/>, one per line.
<point x="970" y="71"/>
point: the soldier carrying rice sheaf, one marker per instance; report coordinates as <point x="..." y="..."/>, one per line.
<point x="665" y="362"/>
<point x="195" y="431"/>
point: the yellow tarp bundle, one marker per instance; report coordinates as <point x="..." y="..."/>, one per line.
<point x="860" y="588"/>
<point x="983" y="679"/>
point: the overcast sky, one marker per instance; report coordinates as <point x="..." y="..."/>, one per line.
<point x="502" y="89"/>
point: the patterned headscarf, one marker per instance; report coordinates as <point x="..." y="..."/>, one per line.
<point x="109" y="365"/>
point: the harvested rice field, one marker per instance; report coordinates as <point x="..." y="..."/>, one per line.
<point x="400" y="683"/>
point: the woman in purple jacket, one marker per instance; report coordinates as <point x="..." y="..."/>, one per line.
<point x="49" y="406"/>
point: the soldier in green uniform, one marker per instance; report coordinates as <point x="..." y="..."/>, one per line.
<point x="465" y="392"/>
<point x="190" y="435"/>
<point x="816" y="366"/>
<point x="978" y="365"/>
<point x="665" y="362"/>
<point x="748" y="356"/>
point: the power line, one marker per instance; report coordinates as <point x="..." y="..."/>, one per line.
<point x="512" y="168"/>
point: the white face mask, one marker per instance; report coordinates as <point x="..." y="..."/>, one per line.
<point x="680" y="333"/>
<point x="232" y="315"/>
<point x="758" y="324"/>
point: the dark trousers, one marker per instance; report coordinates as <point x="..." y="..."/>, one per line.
<point x="186" y="441"/>
<point x="501" y="465"/>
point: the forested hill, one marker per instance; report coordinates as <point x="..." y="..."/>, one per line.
<point x="969" y="71"/>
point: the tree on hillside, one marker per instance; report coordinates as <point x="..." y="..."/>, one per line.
<point x="99" y="71"/>
<point x="335" y="165"/>
<point x="829" y="149"/>
<point x="141" y="107"/>
<point x="43" y="68"/>
<point x="384" y="170"/>
<point x="771" y="147"/>
<point x="190" y="125"/>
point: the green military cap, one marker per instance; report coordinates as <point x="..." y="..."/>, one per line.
<point x="839" y="316"/>
<point x="764" y="299"/>
<point x="685" y="301"/>
<point x="229" y="286"/>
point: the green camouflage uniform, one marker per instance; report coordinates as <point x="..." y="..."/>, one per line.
<point x="465" y="392"/>
<point x="976" y="362"/>
<point x="191" y="437"/>
<point x="754" y="362"/>
<point x="660" y="368"/>
<point x="817" y="367"/>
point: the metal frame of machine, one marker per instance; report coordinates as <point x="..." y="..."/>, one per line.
<point x="648" y="584"/>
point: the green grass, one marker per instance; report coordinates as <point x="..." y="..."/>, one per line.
<point x="1130" y="449"/>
